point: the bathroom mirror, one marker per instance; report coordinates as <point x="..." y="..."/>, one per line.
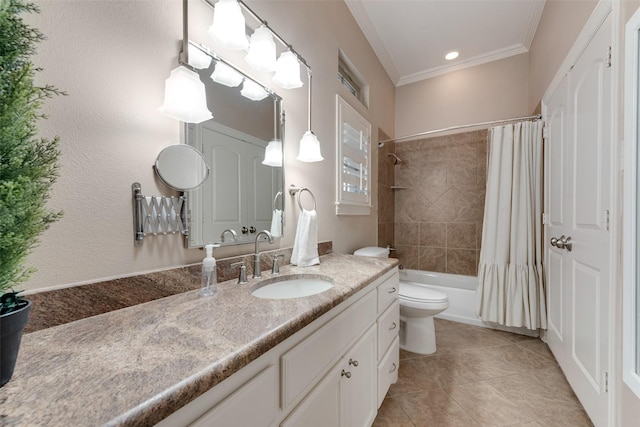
<point x="241" y="193"/>
<point x="181" y="167"/>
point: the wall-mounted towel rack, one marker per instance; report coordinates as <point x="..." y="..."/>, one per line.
<point x="293" y="190"/>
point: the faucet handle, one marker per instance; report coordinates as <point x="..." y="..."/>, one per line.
<point x="276" y="264"/>
<point x="242" y="276"/>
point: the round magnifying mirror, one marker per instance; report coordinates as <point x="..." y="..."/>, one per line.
<point x="181" y="167"/>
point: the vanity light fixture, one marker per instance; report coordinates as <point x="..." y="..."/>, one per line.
<point x="228" y="27"/>
<point x="184" y="93"/>
<point x="273" y="152"/>
<point x="198" y="59"/>
<point x="309" y="144"/>
<point x="226" y="75"/>
<point x="253" y="91"/>
<point x="452" y="55"/>
<point x="288" y="71"/>
<point x="262" y="50"/>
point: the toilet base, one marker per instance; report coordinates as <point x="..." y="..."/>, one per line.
<point x="417" y="335"/>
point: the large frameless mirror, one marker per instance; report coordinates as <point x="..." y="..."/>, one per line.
<point x="243" y="190"/>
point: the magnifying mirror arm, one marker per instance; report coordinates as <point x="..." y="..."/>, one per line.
<point x="157" y="215"/>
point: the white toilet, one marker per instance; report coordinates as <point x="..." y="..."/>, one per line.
<point x="418" y="305"/>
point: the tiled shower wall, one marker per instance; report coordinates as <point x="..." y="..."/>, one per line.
<point x="439" y="190"/>
<point x="386" y="204"/>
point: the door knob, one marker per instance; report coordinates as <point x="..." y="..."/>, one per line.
<point x="566" y="243"/>
<point x="554" y="241"/>
<point x="345" y="374"/>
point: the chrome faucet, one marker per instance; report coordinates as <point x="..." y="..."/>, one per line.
<point x="256" y="262"/>
<point x="233" y="234"/>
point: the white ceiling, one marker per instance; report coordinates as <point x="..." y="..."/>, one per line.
<point x="411" y="37"/>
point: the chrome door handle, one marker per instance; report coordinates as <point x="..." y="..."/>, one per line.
<point x="554" y="241"/>
<point x="566" y="243"/>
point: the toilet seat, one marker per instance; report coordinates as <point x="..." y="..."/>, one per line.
<point x="417" y="296"/>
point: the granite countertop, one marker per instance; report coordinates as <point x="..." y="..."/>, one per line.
<point x="137" y="365"/>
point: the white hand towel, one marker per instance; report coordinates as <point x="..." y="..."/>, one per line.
<point x="305" y="245"/>
<point x="276" y="223"/>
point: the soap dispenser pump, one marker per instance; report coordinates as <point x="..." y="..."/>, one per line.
<point x="209" y="275"/>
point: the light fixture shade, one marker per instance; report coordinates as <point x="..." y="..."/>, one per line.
<point x="226" y="75"/>
<point x="273" y="154"/>
<point x="262" y="50"/>
<point x="309" y="148"/>
<point x="253" y="91"/>
<point x="228" y="27"/>
<point x="288" y="71"/>
<point x="184" y="97"/>
<point x="198" y="59"/>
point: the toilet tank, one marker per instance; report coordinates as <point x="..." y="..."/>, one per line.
<point x="373" y="251"/>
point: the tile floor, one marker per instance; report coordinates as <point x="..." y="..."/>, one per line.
<point x="481" y="377"/>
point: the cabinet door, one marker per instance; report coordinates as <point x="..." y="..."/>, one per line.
<point x="358" y="384"/>
<point x="321" y="408"/>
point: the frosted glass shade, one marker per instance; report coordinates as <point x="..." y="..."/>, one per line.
<point x="253" y="91"/>
<point x="288" y="71"/>
<point x="273" y="154"/>
<point x="226" y="75"/>
<point x="198" y="59"/>
<point x="184" y="97"/>
<point x="309" y="148"/>
<point x="228" y="25"/>
<point x="262" y="50"/>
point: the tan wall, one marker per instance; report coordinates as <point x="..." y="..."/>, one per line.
<point x="493" y="91"/>
<point x="112" y="58"/>
<point x="559" y="26"/>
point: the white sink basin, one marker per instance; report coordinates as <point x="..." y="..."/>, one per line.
<point x="292" y="287"/>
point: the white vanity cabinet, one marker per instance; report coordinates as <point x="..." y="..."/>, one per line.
<point x="333" y="372"/>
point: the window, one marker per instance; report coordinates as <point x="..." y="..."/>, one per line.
<point x="353" y="148"/>
<point x="351" y="79"/>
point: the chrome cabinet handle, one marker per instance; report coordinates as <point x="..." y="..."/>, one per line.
<point x="353" y="362"/>
<point x="392" y="290"/>
<point x="345" y="374"/>
<point x="554" y="241"/>
<point x="244" y="230"/>
<point x="393" y="367"/>
<point x="393" y="326"/>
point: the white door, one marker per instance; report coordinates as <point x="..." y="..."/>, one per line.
<point x="578" y="176"/>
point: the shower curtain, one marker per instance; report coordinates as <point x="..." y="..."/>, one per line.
<point x="511" y="288"/>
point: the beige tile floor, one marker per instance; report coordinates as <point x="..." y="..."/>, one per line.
<point x="481" y="377"/>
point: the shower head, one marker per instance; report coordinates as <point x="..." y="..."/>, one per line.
<point x="396" y="159"/>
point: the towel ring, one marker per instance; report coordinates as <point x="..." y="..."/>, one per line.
<point x="293" y="190"/>
<point x="312" y="196"/>
<point x="275" y="199"/>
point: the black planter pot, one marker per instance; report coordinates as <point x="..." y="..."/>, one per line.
<point x="11" y="327"/>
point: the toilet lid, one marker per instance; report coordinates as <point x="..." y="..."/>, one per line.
<point x="413" y="292"/>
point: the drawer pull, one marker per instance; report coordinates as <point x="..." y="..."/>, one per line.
<point x="393" y="326"/>
<point x="392" y="290"/>
<point x="393" y="368"/>
<point x="345" y="374"/>
<point x="353" y="362"/>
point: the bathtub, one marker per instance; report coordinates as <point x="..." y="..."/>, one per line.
<point x="461" y="291"/>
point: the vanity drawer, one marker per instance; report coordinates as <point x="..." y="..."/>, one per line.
<point x="305" y="364"/>
<point x="388" y="327"/>
<point x="261" y="391"/>
<point x="388" y="291"/>
<point x="388" y="369"/>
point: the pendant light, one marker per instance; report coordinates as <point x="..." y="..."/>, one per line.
<point x="228" y="27"/>
<point x="273" y="152"/>
<point x="184" y="93"/>
<point x="198" y="59"/>
<point x="309" y="144"/>
<point x="288" y="71"/>
<point x="262" y="50"/>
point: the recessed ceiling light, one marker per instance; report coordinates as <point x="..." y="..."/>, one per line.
<point x="451" y="55"/>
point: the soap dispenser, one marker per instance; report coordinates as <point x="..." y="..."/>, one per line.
<point x="209" y="275"/>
